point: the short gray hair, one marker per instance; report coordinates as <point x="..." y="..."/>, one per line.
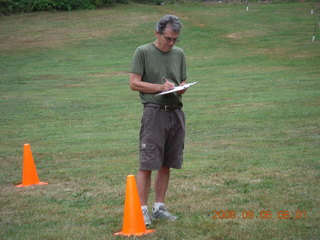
<point x="171" y="20"/>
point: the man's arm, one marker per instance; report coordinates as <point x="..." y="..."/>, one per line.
<point x="136" y="84"/>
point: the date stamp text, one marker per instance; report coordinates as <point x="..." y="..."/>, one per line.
<point x="263" y="214"/>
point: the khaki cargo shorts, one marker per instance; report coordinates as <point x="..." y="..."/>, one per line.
<point x="162" y="137"/>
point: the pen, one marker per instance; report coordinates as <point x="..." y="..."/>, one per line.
<point x="166" y="80"/>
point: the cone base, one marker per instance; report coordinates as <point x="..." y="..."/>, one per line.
<point x="39" y="183"/>
<point x="148" y="231"/>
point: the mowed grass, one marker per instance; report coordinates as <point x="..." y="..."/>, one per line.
<point x="253" y="135"/>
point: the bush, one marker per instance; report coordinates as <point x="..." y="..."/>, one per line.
<point x="8" y="7"/>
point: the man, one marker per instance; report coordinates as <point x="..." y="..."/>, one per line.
<point x="158" y="67"/>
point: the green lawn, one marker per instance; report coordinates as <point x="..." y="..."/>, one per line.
<point x="253" y="122"/>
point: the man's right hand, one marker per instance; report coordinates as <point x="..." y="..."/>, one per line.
<point x="167" y="86"/>
<point x="136" y="84"/>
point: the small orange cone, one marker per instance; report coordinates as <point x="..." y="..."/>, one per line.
<point x="133" y="222"/>
<point x="29" y="172"/>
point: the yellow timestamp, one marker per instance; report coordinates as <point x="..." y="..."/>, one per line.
<point x="263" y="214"/>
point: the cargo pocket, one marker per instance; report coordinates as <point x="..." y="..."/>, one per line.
<point x="147" y="153"/>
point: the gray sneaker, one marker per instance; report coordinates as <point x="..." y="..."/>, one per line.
<point x="146" y="217"/>
<point x="163" y="213"/>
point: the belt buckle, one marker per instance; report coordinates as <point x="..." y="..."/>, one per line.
<point x="167" y="108"/>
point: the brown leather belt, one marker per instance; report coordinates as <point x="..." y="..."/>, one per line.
<point x="166" y="108"/>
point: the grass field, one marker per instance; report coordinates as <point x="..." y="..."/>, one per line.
<point x="253" y="122"/>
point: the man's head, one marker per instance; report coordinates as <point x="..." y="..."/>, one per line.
<point x="171" y="20"/>
<point x="167" y="32"/>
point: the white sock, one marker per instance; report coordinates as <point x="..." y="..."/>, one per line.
<point x="144" y="207"/>
<point x="157" y="205"/>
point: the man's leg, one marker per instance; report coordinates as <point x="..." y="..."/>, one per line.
<point x="143" y="185"/>
<point x="161" y="183"/>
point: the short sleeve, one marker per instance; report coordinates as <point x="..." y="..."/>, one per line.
<point x="183" y="68"/>
<point x="137" y="65"/>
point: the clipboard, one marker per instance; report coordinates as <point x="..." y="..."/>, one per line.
<point x="176" y="89"/>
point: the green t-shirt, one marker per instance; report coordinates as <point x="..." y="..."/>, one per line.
<point x="154" y="65"/>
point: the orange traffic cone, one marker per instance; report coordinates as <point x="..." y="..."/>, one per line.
<point x="133" y="222"/>
<point x="29" y="172"/>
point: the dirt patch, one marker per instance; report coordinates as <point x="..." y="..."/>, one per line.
<point x="271" y="50"/>
<point x="196" y="22"/>
<point x="57" y="29"/>
<point x="106" y="75"/>
<point x="244" y="35"/>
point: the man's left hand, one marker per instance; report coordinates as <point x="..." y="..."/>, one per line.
<point x="184" y="90"/>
